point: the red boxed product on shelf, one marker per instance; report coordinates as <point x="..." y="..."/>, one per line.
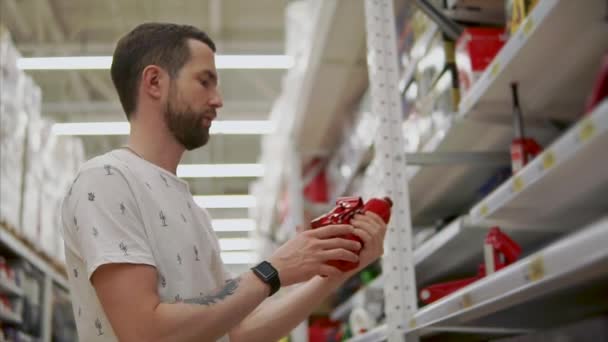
<point x="475" y="49"/>
<point x="346" y="208"/>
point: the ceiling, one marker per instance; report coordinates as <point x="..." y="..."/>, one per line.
<point x="87" y="27"/>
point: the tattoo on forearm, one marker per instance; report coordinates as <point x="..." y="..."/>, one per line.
<point x="228" y="290"/>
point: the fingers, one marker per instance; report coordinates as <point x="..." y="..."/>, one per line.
<point x="365" y="236"/>
<point x="329" y="271"/>
<point x="332" y="231"/>
<point x="339" y="254"/>
<point x="375" y="217"/>
<point x="335" y="243"/>
<point x="366" y="223"/>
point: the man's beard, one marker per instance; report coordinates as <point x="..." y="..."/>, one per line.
<point x="186" y="125"/>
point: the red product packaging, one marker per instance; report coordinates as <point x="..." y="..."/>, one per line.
<point x="600" y="87"/>
<point x="475" y="50"/>
<point x="523" y="150"/>
<point x="346" y="208"/>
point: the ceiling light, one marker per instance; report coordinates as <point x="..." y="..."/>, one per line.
<point x="225" y="201"/>
<point x="91" y="128"/>
<point x="239" y="258"/>
<point x="219" y="170"/>
<point x="236" y="244"/>
<point x="233" y="225"/>
<point x="242" y="127"/>
<point x="104" y="62"/>
<point x="236" y="127"/>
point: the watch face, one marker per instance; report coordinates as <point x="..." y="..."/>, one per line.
<point x="266" y="269"/>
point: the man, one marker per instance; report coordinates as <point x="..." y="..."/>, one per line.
<point x="143" y="260"/>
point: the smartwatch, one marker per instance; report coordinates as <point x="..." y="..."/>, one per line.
<point x="269" y="275"/>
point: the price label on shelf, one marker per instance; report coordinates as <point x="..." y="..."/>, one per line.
<point x="466" y="301"/>
<point x="536" y="268"/>
<point x="495" y="69"/>
<point x="483" y="211"/>
<point x="518" y="184"/>
<point x="528" y="26"/>
<point x="587" y="131"/>
<point x="548" y="160"/>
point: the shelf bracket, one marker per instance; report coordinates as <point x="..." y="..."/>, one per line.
<point x="448" y="26"/>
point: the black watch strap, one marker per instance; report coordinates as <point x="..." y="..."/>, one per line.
<point x="268" y="274"/>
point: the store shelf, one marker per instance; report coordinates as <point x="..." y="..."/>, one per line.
<point x="566" y="184"/>
<point x="530" y="294"/>
<point x="19" y="248"/>
<point x="448" y="190"/>
<point x="9" y="288"/>
<point x="457" y="250"/>
<point x="336" y="76"/>
<point x="9" y="317"/>
<point x="554" y="57"/>
<point x="574" y="265"/>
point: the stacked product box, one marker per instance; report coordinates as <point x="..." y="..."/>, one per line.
<point x="52" y="163"/>
<point x="36" y="167"/>
<point x="13" y="123"/>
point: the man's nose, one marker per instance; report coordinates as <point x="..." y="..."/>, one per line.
<point x="216" y="100"/>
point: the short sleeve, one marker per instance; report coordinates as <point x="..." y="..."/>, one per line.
<point x="102" y="221"/>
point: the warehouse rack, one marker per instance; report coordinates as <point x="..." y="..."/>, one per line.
<point x="559" y="196"/>
<point x="54" y="279"/>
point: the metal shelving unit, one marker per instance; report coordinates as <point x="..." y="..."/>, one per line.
<point x="539" y="195"/>
<point x="553" y="49"/>
<point x="522" y="296"/>
<point x="9" y="288"/>
<point x="9" y="317"/>
<point x="573" y="264"/>
<point x="51" y="279"/>
<point x="560" y="192"/>
<point x="536" y="205"/>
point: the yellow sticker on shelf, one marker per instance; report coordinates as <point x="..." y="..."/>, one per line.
<point x="466" y="301"/>
<point x="548" y="160"/>
<point x="495" y="69"/>
<point x="518" y="184"/>
<point x="587" y="130"/>
<point x="412" y="323"/>
<point x="536" y="268"/>
<point x="528" y="26"/>
<point x="484" y="210"/>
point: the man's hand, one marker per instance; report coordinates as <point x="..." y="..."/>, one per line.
<point x="372" y="230"/>
<point x="304" y="256"/>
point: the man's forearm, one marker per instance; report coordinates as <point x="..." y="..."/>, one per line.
<point x="211" y="316"/>
<point x="276" y="318"/>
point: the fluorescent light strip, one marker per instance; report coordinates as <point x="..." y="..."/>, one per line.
<point x="91" y="128"/>
<point x="242" y="127"/>
<point x="122" y="128"/>
<point x="225" y="201"/>
<point x="104" y="62"/>
<point x="219" y="170"/>
<point x="236" y="244"/>
<point x="233" y="225"/>
<point x="239" y="258"/>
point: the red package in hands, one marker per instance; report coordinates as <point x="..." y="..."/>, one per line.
<point x="346" y="208"/>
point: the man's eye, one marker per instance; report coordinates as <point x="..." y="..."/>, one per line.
<point x="205" y="83"/>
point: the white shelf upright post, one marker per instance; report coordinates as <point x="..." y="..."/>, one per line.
<point x="47" y="308"/>
<point x="398" y="267"/>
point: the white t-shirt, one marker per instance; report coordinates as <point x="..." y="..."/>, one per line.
<point x="124" y="209"/>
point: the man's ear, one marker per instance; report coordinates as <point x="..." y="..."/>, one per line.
<point x="153" y="80"/>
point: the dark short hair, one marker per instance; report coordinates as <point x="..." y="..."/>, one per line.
<point x="160" y="44"/>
